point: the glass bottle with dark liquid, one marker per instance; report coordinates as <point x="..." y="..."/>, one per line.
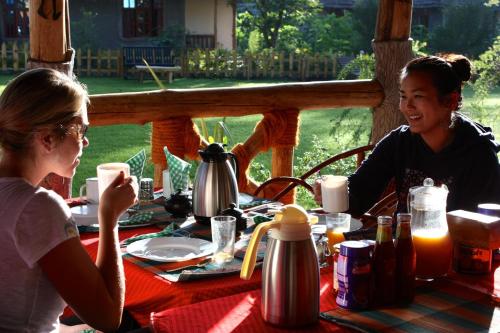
<point x="406" y="260"/>
<point x="384" y="264"/>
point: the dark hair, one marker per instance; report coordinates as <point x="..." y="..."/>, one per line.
<point x="448" y="72"/>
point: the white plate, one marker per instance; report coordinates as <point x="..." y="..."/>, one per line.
<point x="87" y="215"/>
<point x="170" y="249"/>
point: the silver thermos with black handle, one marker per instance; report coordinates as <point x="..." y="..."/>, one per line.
<point x="215" y="187"/>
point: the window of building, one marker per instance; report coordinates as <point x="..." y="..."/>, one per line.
<point x="142" y="18"/>
<point x="15" y="18"/>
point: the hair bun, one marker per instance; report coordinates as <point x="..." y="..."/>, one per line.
<point x="460" y="64"/>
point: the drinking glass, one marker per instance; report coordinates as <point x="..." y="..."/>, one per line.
<point x="336" y="225"/>
<point x="107" y="172"/>
<point x="223" y="237"/>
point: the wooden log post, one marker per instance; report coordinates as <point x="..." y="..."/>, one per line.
<point x="182" y="139"/>
<point x="392" y="47"/>
<point x="50" y="47"/>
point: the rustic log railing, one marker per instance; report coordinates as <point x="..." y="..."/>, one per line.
<point x="171" y="112"/>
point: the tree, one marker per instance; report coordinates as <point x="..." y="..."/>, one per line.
<point x="84" y="30"/>
<point x="456" y="34"/>
<point x="330" y="33"/>
<point x="269" y="17"/>
<point x="364" y="14"/>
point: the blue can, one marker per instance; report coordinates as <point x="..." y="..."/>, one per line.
<point x="353" y="274"/>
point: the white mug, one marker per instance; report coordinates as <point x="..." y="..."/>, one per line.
<point x="90" y="190"/>
<point x="107" y="172"/>
<point x="334" y="193"/>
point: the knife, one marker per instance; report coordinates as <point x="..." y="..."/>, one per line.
<point x="200" y="264"/>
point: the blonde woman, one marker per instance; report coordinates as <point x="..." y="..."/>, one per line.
<point x="43" y="121"/>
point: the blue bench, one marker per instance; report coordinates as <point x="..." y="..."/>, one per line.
<point x="159" y="58"/>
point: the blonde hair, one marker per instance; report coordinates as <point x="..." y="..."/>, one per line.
<point x="36" y="99"/>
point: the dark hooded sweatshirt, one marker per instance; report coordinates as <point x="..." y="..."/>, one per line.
<point x="468" y="166"/>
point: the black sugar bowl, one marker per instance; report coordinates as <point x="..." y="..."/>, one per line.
<point x="241" y="217"/>
<point x="179" y="205"/>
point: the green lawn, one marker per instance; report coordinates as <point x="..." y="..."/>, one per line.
<point x="117" y="143"/>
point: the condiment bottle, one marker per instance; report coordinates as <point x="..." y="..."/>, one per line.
<point x="406" y="260"/>
<point x="353" y="273"/>
<point x="384" y="264"/>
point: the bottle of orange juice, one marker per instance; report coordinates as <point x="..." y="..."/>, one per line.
<point x="429" y="228"/>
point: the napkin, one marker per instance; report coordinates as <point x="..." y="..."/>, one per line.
<point x="138" y="218"/>
<point x="167" y="231"/>
<point x="137" y="163"/>
<point x="179" y="171"/>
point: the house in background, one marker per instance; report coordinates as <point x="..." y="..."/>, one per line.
<point x="428" y="13"/>
<point x="207" y="23"/>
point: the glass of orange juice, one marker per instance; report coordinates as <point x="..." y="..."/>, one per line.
<point x="336" y="225"/>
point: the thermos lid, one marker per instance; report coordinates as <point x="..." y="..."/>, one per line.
<point x="355" y="249"/>
<point x="213" y="153"/>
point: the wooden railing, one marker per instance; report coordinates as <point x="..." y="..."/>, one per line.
<point x="171" y="112"/>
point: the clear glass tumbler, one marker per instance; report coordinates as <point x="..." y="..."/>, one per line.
<point x="223" y="237"/>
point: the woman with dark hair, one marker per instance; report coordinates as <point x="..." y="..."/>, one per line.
<point x="43" y="121"/>
<point x="438" y="142"/>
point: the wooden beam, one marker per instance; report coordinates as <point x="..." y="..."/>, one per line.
<point x="144" y="107"/>
<point x="393" y="20"/>
<point x="48" y="40"/>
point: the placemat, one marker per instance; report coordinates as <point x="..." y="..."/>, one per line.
<point x="442" y="306"/>
<point x="196" y="273"/>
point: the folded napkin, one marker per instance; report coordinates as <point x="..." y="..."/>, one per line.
<point x="167" y="231"/>
<point x="179" y="171"/>
<point x="136" y="164"/>
<point x="137" y="218"/>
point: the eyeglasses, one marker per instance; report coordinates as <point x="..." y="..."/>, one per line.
<point x="80" y="130"/>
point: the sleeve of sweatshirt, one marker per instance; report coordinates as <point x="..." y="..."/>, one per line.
<point x="483" y="181"/>
<point x="367" y="184"/>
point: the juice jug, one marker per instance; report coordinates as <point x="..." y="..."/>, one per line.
<point x="429" y="228"/>
<point x="290" y="273"/>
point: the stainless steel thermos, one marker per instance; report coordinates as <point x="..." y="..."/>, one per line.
<point x="215" y="187"/>
<point x="290" y="274"/>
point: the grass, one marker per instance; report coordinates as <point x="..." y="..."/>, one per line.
<point x="119" y="142"/>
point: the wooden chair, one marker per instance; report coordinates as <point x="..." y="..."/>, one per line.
<point x="386" y="206"/>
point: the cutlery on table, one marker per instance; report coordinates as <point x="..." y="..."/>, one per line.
<point x="199" y="264"/>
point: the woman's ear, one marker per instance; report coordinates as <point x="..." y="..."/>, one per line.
<point x="452" y="100"/>
<point x="46" y="140"/>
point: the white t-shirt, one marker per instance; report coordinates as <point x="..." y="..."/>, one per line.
<point x="33" y="221"/>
